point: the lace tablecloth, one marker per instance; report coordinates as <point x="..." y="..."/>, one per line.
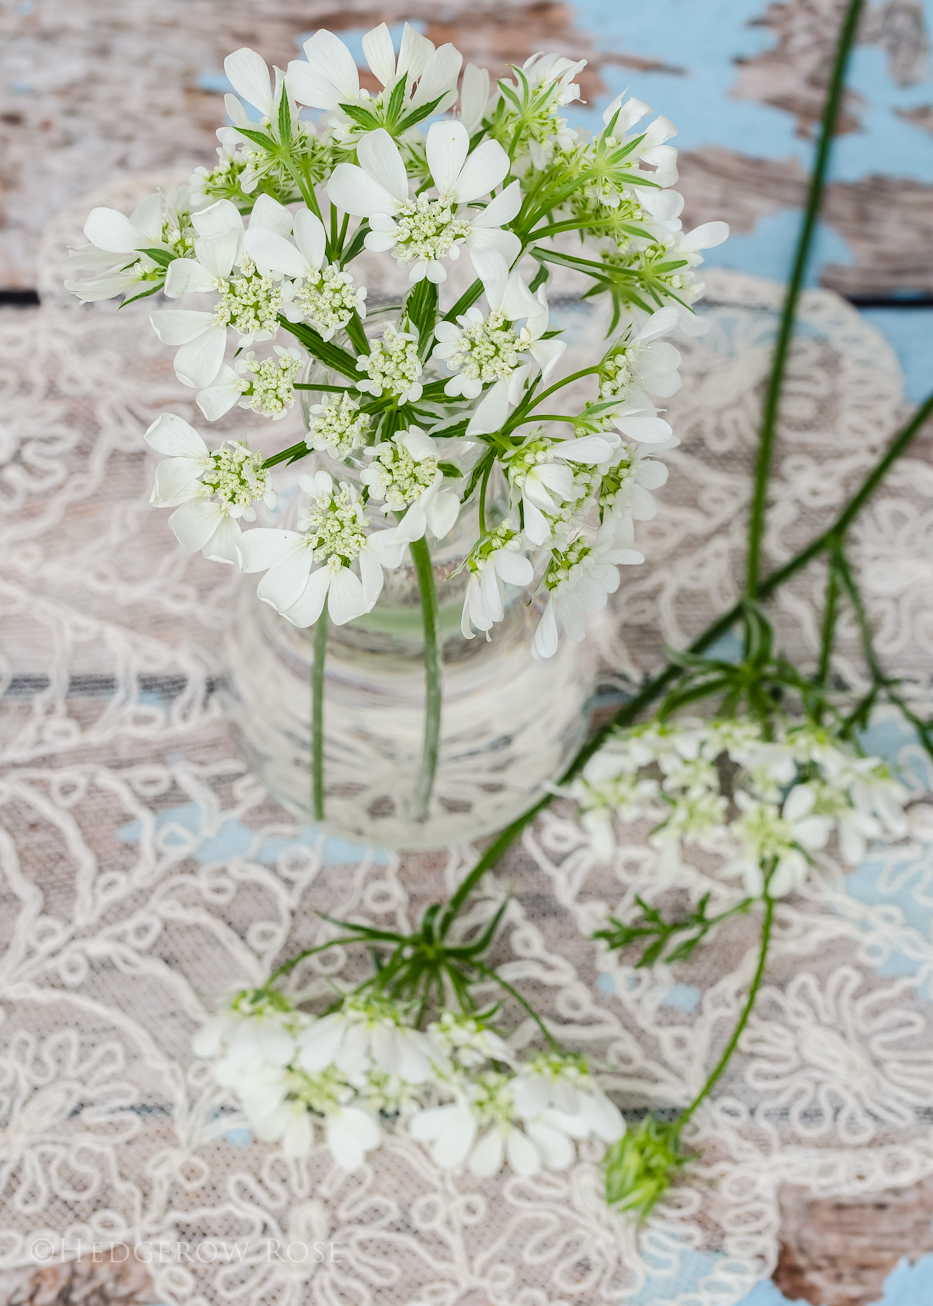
<point x="144" y="871"/>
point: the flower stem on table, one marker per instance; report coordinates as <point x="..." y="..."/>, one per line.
<point x="317" y="716"/>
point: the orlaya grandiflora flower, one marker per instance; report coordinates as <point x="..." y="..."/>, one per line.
<point x="320" y="293"/>
<point x="276" y="1116"/>
<point x="482" y="349"/>
<point x="627" y="482"/>
<point x="313" y="564"/>
<point x="652" y="149"/>
<point x="215" y="490"/>
<point x="495" y="349"/>
<point x="784" y="835"/>
<point x="404" y="476"/>
<point x="421" y="231"/>
<point x="364" y="1033"/>
<point x="541" y="476"/>
<point x="249" y="303"/>
<point x="328" y="76"/>
<point x="560" y="1089"/>
<point x="578" y="581"/>
<point x="483" y="1128"/>
<point x="642" y="360"/>
<point x="496" y="559"/>
<point x="159" y="222"/>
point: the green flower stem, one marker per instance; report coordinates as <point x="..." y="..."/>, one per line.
<point x="792" y="294"/>
<point x="513" y="992"/>
<point x="743" y="1018"/>
<point x="317" y="385"/>
<point x="432" y="674"/>
<point x="655" y="687"/>
<point x="317" y="715"/>
<point x="290" y="965"/>
<point x="830" y="611"/>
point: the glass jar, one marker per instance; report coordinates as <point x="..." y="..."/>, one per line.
<point x="509" y="724"/>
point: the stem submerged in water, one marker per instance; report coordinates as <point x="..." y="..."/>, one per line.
<point x="432" y="678"/>
<point x="317" y="716"/>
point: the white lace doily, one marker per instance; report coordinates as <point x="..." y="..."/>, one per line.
<point x="144" y="872"/>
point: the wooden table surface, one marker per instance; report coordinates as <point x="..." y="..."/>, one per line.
<point x="90" y="92"/>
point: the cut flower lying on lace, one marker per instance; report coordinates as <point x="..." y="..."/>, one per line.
<point x="763" y="806"/>
<point x="364" y="1068"/>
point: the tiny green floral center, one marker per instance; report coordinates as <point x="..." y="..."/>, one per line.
<point x="505" y="536"/>
<point x="339" y="426"/>
<point x="393" y="364"/>
<point x="237" y="475"/>
<point x="321" y="1092"/>
<point x="614" y="482"/>
<point x="330" y="300"/>
<point x="335" y="527"/>
<point x="249" y="303"/>
<point x="527" y="458"/>
<point x="398" y="478"/>
<point x="427" y="229"/>
<point x="486" y="351"/>
<point x="492" y="1099"/>
<point x="273" y="385"/>
<point x="562" y="563"/>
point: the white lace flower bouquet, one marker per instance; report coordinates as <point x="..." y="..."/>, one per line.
<point x="447" y="401"/>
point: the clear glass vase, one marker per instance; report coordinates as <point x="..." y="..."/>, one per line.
<point x="509" y="724"/>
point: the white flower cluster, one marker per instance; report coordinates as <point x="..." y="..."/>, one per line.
<point x="427" y="176"/>
<point x="362" y="1070"/>
<point x="761" y="804"/>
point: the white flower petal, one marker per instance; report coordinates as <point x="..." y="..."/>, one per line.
<point x="197" y="363"/>
<point x="380" y="159"/>
<point x="113" y="231"/>
<point x="524" y="1157"/>
<point x="354" y="191"/>
<point x="351" y="1133"/>
<point x="310" y="237"/>
<point x="308" y="607"/>
<point x="261" y="549"/>
<point x="186" y="276"/>
<point x="380" y="53"/>
<point x="371" y="576"/>
<point x="439" y="78"/>
<point x="271" y="251"/>
<point x="447" y="146"/>
<point x="178" y="326"/>
<point x="176" y="481"/>
<point x="285" y="580"/>
<point x="486" y="1157"/>
<point x="544" y="644"/>
<point x="222" y="546"/>
<point x="219" y="398"/>
<point x="194" y="523"/>
<point x="172" y="435"/>
<point x="474" y="96"/>
<point x="491" y="411"/>
<point x="249" y="77"/>
<point x="484" y="169"/>
<point x="556" y="1148"/>
<point x="221" y="216"/>
<point x="514" y="568"/>
<point x="270" y="215"/>
<point x="147" y="218"/>
<point x="442" y="514"/>
<point x="706" y="236"/>
<point x="328" y="78"/>
<point x="346" y="598"/>
<point x="504" y="207"/>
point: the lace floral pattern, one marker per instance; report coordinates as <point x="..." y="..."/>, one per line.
<point x="145" y="872"/>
